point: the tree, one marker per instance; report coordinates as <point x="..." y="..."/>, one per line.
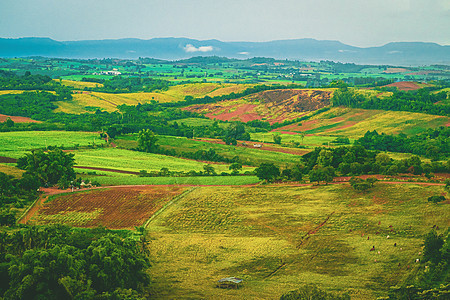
<point x="277" y="139"/>
<point x="308" y="292"/>
<point x="53" y="167"/>
<point x="433" y="243"/>
<point x="209" y="170"/>
<point x="319" y="173"/>
<point x="9" y="123"/>
<point x="147" y="141"/>
<point x="235" y="168"/>
<point x="267" y="171"/>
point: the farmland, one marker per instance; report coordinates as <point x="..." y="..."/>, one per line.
<point x="118" y="208"/>
<point x="273" y="237"/>
<point x="276" y="238"/>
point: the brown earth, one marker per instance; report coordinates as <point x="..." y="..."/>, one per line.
<point x="272" y="106"/>
<point x="8" y="160"/>
<point x="404" y="85"/>
<point x="17" y="119"/>
<point x="395" y="70"/>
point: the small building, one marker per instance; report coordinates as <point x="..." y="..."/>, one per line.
<point x="257" y="145"/>
<point x="229" y="282"/>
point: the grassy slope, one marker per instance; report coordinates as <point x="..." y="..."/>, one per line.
<point x="260" y="234"/>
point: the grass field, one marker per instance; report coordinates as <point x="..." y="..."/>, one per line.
<point x="80" y="84"/>
<point x="16" y="144"/>
<point x="116" y="208"/>
<point x="278" y="238"/>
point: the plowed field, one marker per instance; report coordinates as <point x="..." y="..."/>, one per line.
<point x="116" y="208"/>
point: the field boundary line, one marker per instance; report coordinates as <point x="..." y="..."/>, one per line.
<point x="168" y="204"/>
<point x="40" y="199"/>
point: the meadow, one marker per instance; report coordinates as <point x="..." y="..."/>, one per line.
<point x="277" y="238"/>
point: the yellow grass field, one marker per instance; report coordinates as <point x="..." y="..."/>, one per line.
<point x="79" y="84"/>
<point x="277" y="238"/>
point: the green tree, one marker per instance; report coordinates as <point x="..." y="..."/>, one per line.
<point x="267" y="171"/>
<point x="277" y="139"/>
<point x="9" y="123"/>
<point x="235" y="168"/>
<point x="147" y="141"/>
<point x="53" y="167"/>
<point x="312" y="292"/>
<point x="433" y="243"/>
<point x="209" y="170"/>
<point x="319" y="173"/>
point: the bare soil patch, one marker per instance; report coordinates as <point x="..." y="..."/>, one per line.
<point x="18" y="119"/>
<point x="405" y="85"/>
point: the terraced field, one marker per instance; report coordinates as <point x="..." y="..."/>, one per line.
<point x="354" y="123"/>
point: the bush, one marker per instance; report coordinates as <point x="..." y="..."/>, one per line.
<point x="436" y="199"/>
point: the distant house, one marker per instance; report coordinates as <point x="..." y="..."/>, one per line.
<point x="257" y="145"/>
<point x="229" y="282"/>
<point x="114" y="73"/>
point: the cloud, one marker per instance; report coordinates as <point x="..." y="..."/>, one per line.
<point x="244" y="53"/>
<point x="191" y="48"/>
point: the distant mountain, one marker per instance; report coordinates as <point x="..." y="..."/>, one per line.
<point x="405" y="53"/>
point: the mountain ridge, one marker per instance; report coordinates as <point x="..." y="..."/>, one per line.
<point x="307" y="49"/>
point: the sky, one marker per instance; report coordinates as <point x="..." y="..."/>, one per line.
<point x="362" y="23"/>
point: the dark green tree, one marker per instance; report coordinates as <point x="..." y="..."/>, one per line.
<point x="147" y="141"/>
<point x="267" y="171"/>
<point x="49" y="168"/>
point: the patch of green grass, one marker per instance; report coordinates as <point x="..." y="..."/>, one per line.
<point x="16" y="144"/>
<point x="109" y="178"/>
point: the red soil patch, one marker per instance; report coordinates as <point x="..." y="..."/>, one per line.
<point x="243" y="112"/>
<point x="265" y="146"/>
<point x="395" y="70"/>
<point x="404" y="85"/>
<point x="9" y="160"/>
<point x="17" y="119"/>
<point x="116" y="208"/>
<point x="349" y="124"/>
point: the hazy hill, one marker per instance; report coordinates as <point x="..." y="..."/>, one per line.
<point x="405" y="53"/>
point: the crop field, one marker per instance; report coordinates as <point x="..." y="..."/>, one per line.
<point x="16" y="144"/>
<point x="112" y="178"/>
<point x="354" y="123"/>
<point x="84" y="100"/>
<point x="17" y="119"/>
<point x="116" y="208"/>
<point x="272" y="106"/>
<point x="10" y="169"/>
<point x="277" y="238"/>
<point x="127" y="160"/>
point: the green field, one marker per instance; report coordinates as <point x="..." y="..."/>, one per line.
<point x="127" y="160"/>
<point x="278" y="238"/>
<point x="248" y="156"/>
<point x="16" y="144"/>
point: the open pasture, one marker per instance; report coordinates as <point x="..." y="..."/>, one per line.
<point x="16" y="144"/>
<point x="116" y="208"/>
<point x="277" y="238"/>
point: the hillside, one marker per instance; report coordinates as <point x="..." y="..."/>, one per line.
<point x="272" y="106"/>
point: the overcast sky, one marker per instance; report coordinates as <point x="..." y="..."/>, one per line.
<point x="356" y="22"/>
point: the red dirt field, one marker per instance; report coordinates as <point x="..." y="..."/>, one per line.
<point x="17" y="119"/>
<point x="395" y="70"/>
<point x="265" y="146"/>
<point x="405" y="86"/>
<point x="273" y="106"/>
<point x="114" y="208"/>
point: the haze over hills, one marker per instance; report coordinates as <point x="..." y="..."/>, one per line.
<point x="397" y="53"/>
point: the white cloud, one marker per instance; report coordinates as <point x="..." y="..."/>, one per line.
<point x="191" y="48"/>
<point x="244" y="53"/>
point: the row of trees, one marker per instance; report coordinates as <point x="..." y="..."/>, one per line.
<point x="433" y="143"/>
